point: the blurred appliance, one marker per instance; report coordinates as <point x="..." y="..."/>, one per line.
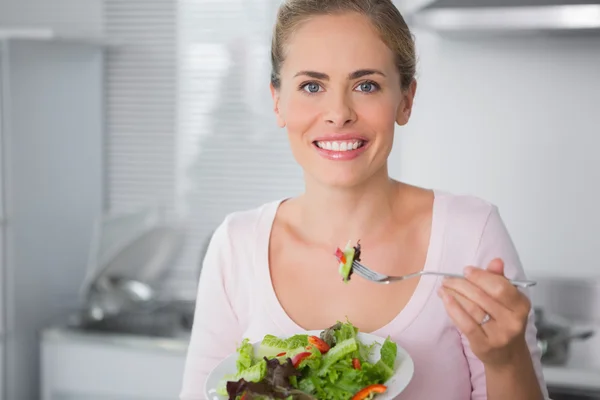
<point x="51" y="191"/>
<point x="568" y="322"/>
<point x="131" y="256"/>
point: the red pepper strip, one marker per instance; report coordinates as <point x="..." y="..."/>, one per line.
<point x="298" y="358"/>
<point x="281" y="354"/>
<point x="340" y="255"/>
<point x="356" y="363"/>
<point x="319" y="344"/>
<point x="369" y="390"/>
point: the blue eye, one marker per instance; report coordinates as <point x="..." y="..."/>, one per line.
<point x="368" y="87"/>
<point x="311" y="87"/>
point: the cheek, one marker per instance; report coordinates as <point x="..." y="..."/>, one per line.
<point x="301" y="113"/>
<point x="378" y="113"/>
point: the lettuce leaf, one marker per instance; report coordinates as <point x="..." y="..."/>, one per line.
<point x="246" y="355"/>
<point x="345" y="331"/>
<point x="275" y="385"/>
<point x="388" y="353"/>
<point x="255" y="373"/>
<point x="272" y="345"/>
<point x="328" y="335"/>
<point x="338" y="352"/>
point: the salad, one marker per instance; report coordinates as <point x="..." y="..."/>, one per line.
<point x="346" y="257"/>
<point x="331" y="366"/>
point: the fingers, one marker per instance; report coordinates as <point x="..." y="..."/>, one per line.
<point x="474" y="310"/>
<point x="476" y="295"/>
<point x="461" y="318"/>
<point x="496" y="266"/>
<point x="495" y="286"/>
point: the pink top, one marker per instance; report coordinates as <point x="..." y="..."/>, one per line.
<point x="236" y="299"/>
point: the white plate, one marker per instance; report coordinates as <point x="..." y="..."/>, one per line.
<point x="404" y="368"/>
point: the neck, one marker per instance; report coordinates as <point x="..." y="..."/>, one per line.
<point x="335" y="215"/>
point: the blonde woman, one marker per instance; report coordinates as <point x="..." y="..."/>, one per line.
<point x="342" y="78"/>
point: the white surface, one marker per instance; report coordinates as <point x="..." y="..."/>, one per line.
<point x="77" y="366"/>
<point x="404" y="368"/>
<point x="515" y="121"/>
<point x="172" y="345"/>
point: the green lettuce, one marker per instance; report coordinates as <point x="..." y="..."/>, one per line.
<point x="246" y="356"/>
<point x="271" y="346"/>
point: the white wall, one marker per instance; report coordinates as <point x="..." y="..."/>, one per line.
<point x="68" y="17"/>
<point x="517" y="122"/>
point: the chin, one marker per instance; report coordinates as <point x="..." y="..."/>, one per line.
<point x="337" y="172"/>
<point x="342" y="178"/>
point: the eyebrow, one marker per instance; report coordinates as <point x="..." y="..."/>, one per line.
<point x="354" y="75"/>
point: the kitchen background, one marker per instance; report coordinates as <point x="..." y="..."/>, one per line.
<point x="130" y="128"/>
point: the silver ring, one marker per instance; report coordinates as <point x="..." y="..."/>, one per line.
<point x="485" y="319"/>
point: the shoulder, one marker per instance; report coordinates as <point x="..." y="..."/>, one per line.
<point x="232" y="246"/>
<point x="241" y="225"/>
<point x="471" y="229"/>
<point x="466" y="212"/>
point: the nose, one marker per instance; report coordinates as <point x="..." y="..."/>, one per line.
<point x="340" y="112"/>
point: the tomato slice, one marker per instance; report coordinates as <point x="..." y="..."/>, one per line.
<point x="319" y="344"/>
<point x="339" y="254"/>
<point x="369" y="390"/>
<point x="298" y="358"/>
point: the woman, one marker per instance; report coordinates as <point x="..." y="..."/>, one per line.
<point x="343" y="75"/>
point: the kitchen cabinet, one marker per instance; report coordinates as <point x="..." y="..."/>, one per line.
<point x="51" y="191"/>
<point x="94" y="366"/>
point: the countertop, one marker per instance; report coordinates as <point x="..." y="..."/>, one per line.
<point x="178" y="344"/>
<point x="583" y="369"/>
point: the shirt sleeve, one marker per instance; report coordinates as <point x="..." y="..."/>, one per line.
<point x="495" y="242"/>
<point x="216" y="331"/>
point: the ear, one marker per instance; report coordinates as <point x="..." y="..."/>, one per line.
<point x="405" y="109"/>
<point x="276" y="97"/>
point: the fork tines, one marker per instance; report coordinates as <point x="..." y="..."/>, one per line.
<point x="366" y="272"/>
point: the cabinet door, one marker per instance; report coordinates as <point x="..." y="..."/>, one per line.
<point x="79" y="368"/>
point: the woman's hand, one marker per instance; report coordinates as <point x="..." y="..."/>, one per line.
<point x="490" y="312"/>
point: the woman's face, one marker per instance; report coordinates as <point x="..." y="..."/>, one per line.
<point x="340" y="96"/>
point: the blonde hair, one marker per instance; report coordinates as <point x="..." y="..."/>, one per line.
<point x="384" y="16"/>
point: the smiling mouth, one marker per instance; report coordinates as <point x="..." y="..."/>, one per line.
<point x="340" y="145"/>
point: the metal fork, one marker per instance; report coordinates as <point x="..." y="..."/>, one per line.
<point x="376" y="277"/>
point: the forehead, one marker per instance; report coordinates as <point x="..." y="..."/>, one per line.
<point x="337" y="44"/>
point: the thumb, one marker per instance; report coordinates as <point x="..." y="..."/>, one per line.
<point x="496" y="266"/>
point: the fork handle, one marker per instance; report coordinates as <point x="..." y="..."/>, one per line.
<point x="514" y="282"/>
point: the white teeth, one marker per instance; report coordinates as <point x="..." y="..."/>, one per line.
<point x="340" y="146"/>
